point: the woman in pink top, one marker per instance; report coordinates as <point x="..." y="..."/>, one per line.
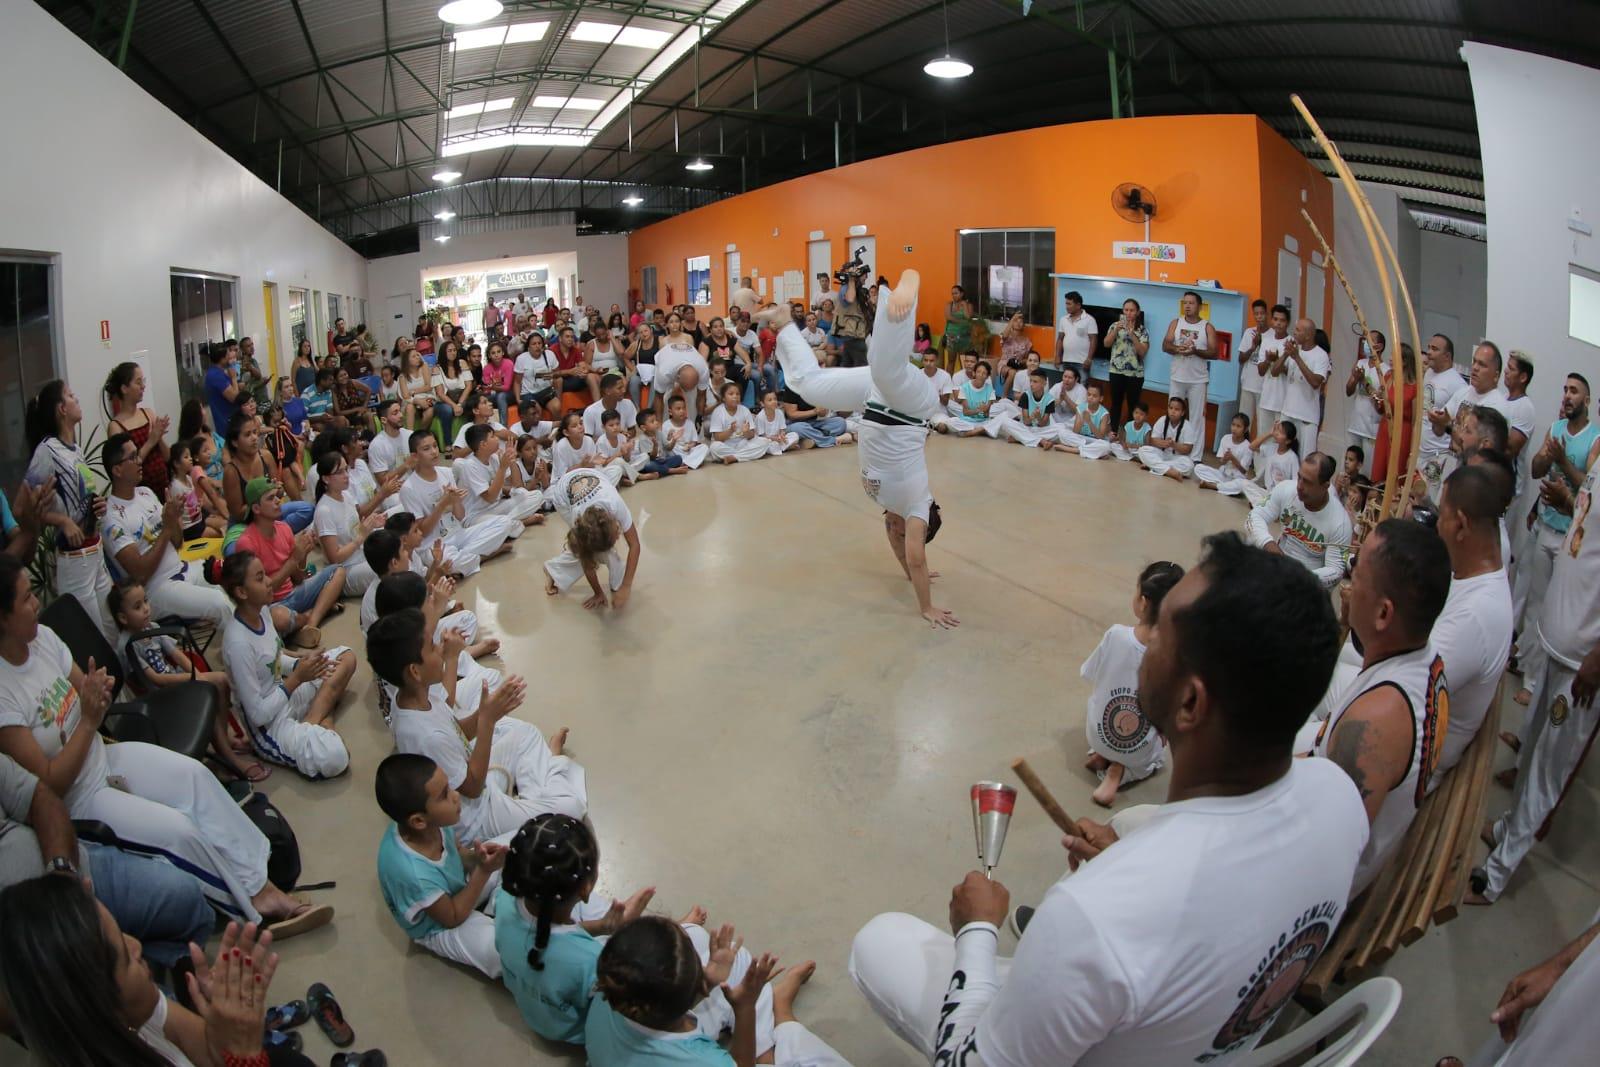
<point x="499" y="378"/>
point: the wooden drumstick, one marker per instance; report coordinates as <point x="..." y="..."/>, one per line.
<point x="1058" y="815"/>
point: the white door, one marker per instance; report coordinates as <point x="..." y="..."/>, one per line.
<point x="1289" y="282"/>
<point x="819" y="260"/>
<point x="869" y="256"/>
<point x="1315" y="281"/>
<point x="400" y="321"/>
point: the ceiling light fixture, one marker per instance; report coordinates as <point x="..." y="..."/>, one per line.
<point x="445" y="216"/>
<point x="470" y="12"/>
<point x="558" y="102"/>
<point x="446" y="176"/>
<point x="465" y="110"/>
<point x="697" y="165"/>
<point x="606" y="33"/>
<point x="495" y="36"/>
<point x="633" y="201"/>
<point x="947" y="66"/>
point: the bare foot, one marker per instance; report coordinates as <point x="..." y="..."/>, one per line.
<point x="1096" y="762"/>
<point x="1507" y="779"/>
<point x="550" y="585"/>
<point x="487" y="647"/>
<point x="786" y="987"/>
<point x="558" y="741"/>
<point x="1486" y="835"/>
<point x="647" y="476"/>
<point x="1106" y="793"/>
<point x="533" y="520"/>
<point x="679" y="470"/>
<point x="1208" y="485"/>
<point x="1511" y="740"/>
<point x="903" y="300"/>
<point x="728" y="459"/>
<point x="806" y="442"/>
<point x="850" y="438"/>
<point x="1523" y="697"/>
<point x="695" y="916"/>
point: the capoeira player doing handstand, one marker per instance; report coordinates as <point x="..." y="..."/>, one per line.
<point x="896" y="400"/>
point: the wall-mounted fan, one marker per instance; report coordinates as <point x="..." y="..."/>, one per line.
<point x="1136" y="204"/>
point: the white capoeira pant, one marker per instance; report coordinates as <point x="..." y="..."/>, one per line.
<point x="472" y="943"/>
<point x="1025" y="435"/>
<point x="742" y="448"/>
<point x="1157" y="461"/>
<point x="1560" y="737"/>
<point x="190" y="597"/>
<point x="525" y="780"/>
<point x="1533" y="569"/>
<point x="1308" y="432"/>
<point x="566" y="568"/>
<point x="517" y="504"/>
<point x="1561" y="1028"/>
<point x="694" y="455"/>
<point x="175" y="808"/>
<point x="894" y="465"/>
<point x="1095" y="448"/>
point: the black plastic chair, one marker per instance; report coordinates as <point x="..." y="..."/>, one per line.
<point x="176" y="717"/>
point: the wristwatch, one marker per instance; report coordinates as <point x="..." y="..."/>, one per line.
<point x="62" y="865"/>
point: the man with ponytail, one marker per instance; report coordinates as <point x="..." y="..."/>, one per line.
<point x="432" y="884"/>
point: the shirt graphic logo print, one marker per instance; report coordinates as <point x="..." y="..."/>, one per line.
<point x="1276" y="978"/>
<point x="1122" y="723"/>
<point x="1558" y="710"/>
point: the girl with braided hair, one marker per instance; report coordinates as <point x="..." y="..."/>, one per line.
<point x="547" y="931"/>
<point x="659" y="998"/>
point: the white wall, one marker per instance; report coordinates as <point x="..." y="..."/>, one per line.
<point x="1540" y="134"/>
<point x="1455" y="285"/>
<point x="120" y="190"/>
<point x="1351" y="249"/>
<point x="603" y="270"/>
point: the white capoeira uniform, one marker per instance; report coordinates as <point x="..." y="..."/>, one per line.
<point x="1319" y="539"/>
<point x="670" y="359"/>
<point x="1224" y="471"/>
<point x="515" y="502"/>
<point x="1271" y="468"/>
<point x="1162" y="460"/>
<point x="899" y="400"/>
<point x="1189" y="376"/>
<point x="525" y="778"/>
<point x="564" y="458"/>
<point x="161" y="803"/>
<point x="1274" y="387"/>
<point x="1562" y="731"/>
<point x="1067" y="435"/>
<point x="363" y="487"/>
<point x="341" y="520"/>
<point x="575" y="493"/>
<point x="274" y="717"/>
<point x="737" y="445"/>
<point x="1419" y="676"/>
<point x="1147" y="989"/>
<point x="1561" y="1029"/>
<point x="632" y="465"/>
<point x="689" y="446"/>
<point x="775" y="431"/>
<point x="465" y="545"/>
<point x="1038" y="408"/>
<point x="1250" y="380"/>
<point x="1115" y="724"/>
<point x="1439" y="388"/>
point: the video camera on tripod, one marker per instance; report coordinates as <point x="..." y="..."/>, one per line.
<point x="854" y="268"/>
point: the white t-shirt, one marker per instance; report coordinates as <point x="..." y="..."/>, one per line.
<point x="539" y="430"/>
<point x="338" y="519"/>
<point x="591" y="416"/>
<point x="385" y="452"/>
<point x="476" y="477"/>
<point x="772" y="427"/>
<point x="1473" y="636"/>
<point x="1077" y="336"/>
<point x="582" y="489"/>
<point x="419" y="496"/>
<point x="1272" y="386"/>
<point x="137" y="522"/>
<point x="689" y="436"/>
<point x="1221" y="905"/>
<point x="1116" y="724"/>
<point x="1438" y="389"/>
<point x="39" y="695"/>
<point x="1188" y="433"/>
<point x="564" y="457"/>
<point x="721" y="419"/>
<point x="1522" y="417"/>
<point x="434" y="733"/>
<point x="1363" y="412"/>
<point x="1190" y="370"/>
<point x="1494" y="398"/>
<point x="1283" y="466"/>
<point x="606" y="450"/>
<point x="1318" y="539"/>
<point x="257" y="667"/>
<point x="461" y="434"/>
<point x="1239" y="450"/>
<point x="1249" y="380"/>
<point x="1301" y="401"/>
<point x="1067" y="413"/>
<point x="528" y="368"/>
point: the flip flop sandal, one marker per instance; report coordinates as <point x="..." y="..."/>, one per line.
<point x="372" y="1058"/>
<point x="330" y="1019"/>
<point x="281" y="1041"/>
<point x="302" y="922"/>
<point x="288" y="1016"/>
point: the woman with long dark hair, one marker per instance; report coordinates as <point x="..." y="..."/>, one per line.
<point x="123" y="393"/>
<point x="80" y="993"/>
<point x="51" y="423"/>
<point x="245" y="459"/>
<point x="1127" y="340"/>
<point x="957" y="326"/>
<point x="305" y="366"/>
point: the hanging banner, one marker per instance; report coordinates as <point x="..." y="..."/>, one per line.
<point x="517" y="279"/>
<point x="1156" y="250"/>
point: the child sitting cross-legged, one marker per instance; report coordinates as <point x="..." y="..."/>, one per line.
<point x="733" y="430"/>
<point x="547" y="929"/>
<point x="616" y="447"/>
<point x="432" y="884"/>
<point x="403" y="589"/>
<point x="288" y="702"/>
<point x="159" y="662"/>
<point x="658" y="458"/>
<point x="433" y="561"/>
<point x="503" y="768"/>
<point x="773" y="428"/>
<point x="658" y="999"/>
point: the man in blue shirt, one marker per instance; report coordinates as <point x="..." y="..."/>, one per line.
<point x="223" y="393"/>
<point x="319" y="402"/>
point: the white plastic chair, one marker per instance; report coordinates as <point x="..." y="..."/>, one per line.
<point x="1371" y="1005"/>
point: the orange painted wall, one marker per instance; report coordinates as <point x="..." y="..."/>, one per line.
<point x="1284" y="174"/>
<point x="1209" y="174"/>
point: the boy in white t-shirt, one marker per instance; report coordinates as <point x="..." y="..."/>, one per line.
<point x="391" y="447"/>
<point x="598" y="518"/>
<point x="773" y="428"/>
<point x="1249" y="348"/>
<point x="532" y="423"/>
<point x="430" y="493"/>
<point x="1304" y="367"/>
<point x="680" y="435"/>
<point x="1269" y="355"/>
<point x="485" y="472"/>
<point x="613" y="445"/>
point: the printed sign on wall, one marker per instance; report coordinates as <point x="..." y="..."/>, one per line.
<point x="1155" y="250"/>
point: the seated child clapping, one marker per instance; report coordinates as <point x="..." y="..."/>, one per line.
<point x="659" y="459"/>
<point x="197" y="522"/>
<point x="424" y="872"/>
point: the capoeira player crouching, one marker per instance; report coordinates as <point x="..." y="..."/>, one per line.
<point x="896" y="400"/>
<point x="598" y="519"/>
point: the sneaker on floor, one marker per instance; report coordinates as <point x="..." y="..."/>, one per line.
<point x="1019" y="919"/>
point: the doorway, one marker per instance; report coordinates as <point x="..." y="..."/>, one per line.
<point x="203" y="314"/>
<point x="269" y="303"/>
<point x="28" y="348"/>
<point x="819" y="260"/>
<point x="1316" y="281"/>
<point x="1288" y="281"/>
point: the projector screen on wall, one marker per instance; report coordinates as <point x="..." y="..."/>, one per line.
<point x="1583" y="314"/>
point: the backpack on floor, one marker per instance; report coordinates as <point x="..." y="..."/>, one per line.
<point x="283" y="859"/>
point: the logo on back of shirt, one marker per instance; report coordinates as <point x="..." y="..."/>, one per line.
<point x="1122" y="723"/>
<point x="1275" y="979"/>
<point x="1435" y="720"/>
<point x="1559" y="709"/>
<point x="581" y="487"/>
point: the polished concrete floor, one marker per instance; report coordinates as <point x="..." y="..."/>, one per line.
<point x="771" y="731"/>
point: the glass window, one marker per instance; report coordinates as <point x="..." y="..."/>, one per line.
<point x="1006" y="271"/>
<point x="299" y="330"/>
<point x="27" y="356"/>
<point x="203" y="314"/>
<point x="699" y="272"/>
<point x="647" y="285"/>
<point x="335" y="310"/>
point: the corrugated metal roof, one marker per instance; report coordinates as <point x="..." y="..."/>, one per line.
<point x="1384" y="77"/>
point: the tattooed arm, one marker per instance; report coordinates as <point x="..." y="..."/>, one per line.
<point x="1373" y="742"/>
